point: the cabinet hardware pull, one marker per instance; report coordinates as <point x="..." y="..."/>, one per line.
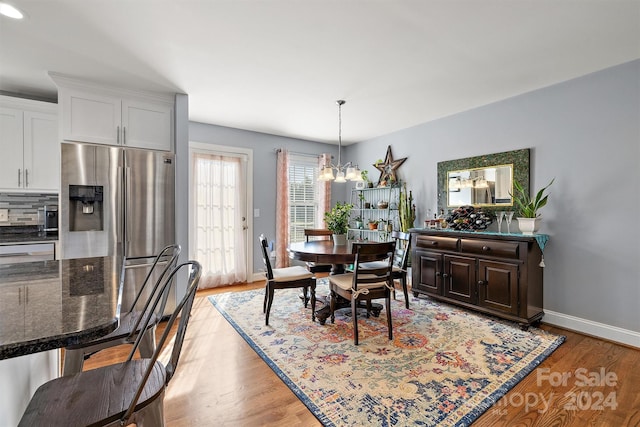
<point x="437" y="274"/>
<point x="433" y="243"/>
<point x="481" y="282"/>
<point x="445" y="275"/>
<point x="124" y="135"/>
<point x="486" y="248"/>
<point x="118" y="135"/>
<point x="19" y="176"/>
<point x="26" y="178"/>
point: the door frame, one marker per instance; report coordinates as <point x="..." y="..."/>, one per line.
<point x="225" y="150"/>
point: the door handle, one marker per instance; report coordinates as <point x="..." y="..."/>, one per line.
<point x="127" y="201"/>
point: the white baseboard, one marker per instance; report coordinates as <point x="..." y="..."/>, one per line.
<point x="600" y="330"/>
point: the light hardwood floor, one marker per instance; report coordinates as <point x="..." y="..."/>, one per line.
<point x="221" y="381"/>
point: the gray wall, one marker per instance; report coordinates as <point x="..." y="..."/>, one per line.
<point x="264" y="171"/>
<point x="584" y="132"/>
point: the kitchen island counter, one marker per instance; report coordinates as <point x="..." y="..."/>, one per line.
<point x="47" y="305"/>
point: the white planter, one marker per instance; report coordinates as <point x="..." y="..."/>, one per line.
<point x="529" y="226"/>
<point x="339" y="239"/>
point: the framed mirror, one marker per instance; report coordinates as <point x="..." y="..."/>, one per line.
<point x="482" y="181"/>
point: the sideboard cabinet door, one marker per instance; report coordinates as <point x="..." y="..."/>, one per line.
<point x="459" y="278"/>
<point x="429" y="278"/>
<point x="498" y="286"/>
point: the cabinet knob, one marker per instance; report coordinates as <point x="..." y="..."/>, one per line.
<point x="445" y="275"/>
<point x="437" y="274"/>
<point x="486" y="248"/>
<point x="433" y="243"/>
<point x="481" y="282"/>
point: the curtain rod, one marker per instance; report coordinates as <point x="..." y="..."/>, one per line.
<point x="277" y="150"/>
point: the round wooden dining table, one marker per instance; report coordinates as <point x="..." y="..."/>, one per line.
<point x="325" y="252"/>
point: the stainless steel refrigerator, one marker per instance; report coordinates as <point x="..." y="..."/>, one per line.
<point x="116" y="200"/>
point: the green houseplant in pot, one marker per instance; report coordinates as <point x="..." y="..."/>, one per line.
<point x="337" y="220"/>
<point x="528" y="216"/>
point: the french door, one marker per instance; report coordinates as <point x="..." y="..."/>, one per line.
<point x="219" y="206"/>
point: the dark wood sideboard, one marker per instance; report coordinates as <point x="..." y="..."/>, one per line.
<point x="487" y="272"/>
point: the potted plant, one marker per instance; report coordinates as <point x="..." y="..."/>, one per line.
<point x="362" y="199"/>
<point x="373" y="224"/>
<point x="528" y="216"/>
<point x="359" y="223"/>
<point x="365" y="177"/>
<point x="407" y="210"/>
<point x="337" y="220"/>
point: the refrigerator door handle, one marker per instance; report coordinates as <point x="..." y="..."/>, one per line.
<point x="120" y="217"/>
<point x="127" y="204"/>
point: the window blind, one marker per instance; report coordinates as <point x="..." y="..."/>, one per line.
<point x="303" y="203"/>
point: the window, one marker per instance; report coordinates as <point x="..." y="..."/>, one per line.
<point x="303" y="195"/>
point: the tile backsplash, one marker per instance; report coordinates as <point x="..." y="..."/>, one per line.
<point x="23" y="207"/>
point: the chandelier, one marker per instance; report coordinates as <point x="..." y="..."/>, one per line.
<point x="345" y="172"/>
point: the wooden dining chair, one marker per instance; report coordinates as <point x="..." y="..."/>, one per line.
<point x="317" y="234"/>
<point x="400" y="261"/>
<point x="132" y="318"/>
<point x="366" y="283"/>
<point x="283" y="278"/>
<point x="124" y="393"/>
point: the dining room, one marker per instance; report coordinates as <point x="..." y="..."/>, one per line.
<point x="444" y="122"/>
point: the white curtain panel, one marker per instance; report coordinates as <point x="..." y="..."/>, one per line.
<point x="219" y="236"/>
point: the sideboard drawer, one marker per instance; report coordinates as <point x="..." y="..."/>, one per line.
<point x="435" y="242"/>
<point x="490" y="247"/>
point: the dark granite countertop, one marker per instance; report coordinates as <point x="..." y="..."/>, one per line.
<point x="25" y="234"/>
<point x="46" y="305"/>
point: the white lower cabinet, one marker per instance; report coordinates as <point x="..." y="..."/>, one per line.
<point x="21" y="377"/>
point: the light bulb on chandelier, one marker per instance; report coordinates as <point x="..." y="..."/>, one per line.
<point x="345" y="172"/>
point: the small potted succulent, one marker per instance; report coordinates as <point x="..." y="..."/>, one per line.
<point x="337" y="220"/>
<point x="359" y="223"/>
<point x="528" y="216"/>
<point x="373" y="224"/>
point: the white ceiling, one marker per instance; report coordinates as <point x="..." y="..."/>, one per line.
<point x="278" y="66"/>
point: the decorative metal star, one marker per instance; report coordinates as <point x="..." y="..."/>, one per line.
<point x="388" y="168"/>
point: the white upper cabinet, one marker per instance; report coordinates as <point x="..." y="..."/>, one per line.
<point x="30" y="159"/>
<point x="114" y="116"/>
<point x="147" y="124"/>
<point x="90" y="117"/>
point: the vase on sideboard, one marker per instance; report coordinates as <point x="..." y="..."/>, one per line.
<point x="529" y="226"/>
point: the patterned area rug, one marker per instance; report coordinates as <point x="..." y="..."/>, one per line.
<point x="445" y="365"/>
